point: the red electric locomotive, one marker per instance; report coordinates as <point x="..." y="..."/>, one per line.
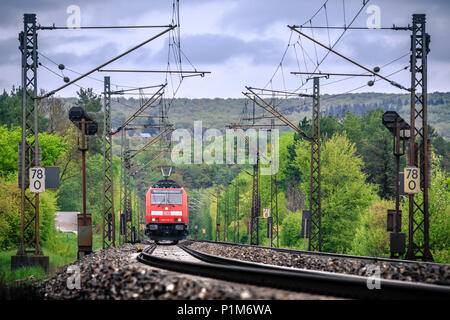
<point x="166" y="211"/>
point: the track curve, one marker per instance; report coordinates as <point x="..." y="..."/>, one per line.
<point x="318" y="282"/>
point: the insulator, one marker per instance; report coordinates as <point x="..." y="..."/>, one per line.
<point x="66" y="79"/>
<point x="370" y="83"/>
<point x="61" y="66"/>
<point x="376" y="69"/>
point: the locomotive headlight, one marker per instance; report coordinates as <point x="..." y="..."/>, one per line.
<point x="179" y="219"/>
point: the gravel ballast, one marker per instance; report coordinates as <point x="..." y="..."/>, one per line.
<point x="115" y="273"/>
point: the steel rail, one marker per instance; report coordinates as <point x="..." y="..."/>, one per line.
<point x="317" y="282"/>
<point x="321" y="253"/>
<point x="394" y="286"/>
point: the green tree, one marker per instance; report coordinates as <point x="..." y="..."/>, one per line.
<point x="371" y="238"/>
<point x="345" y="193"/>
<point x="88" y="100"/>
<point x="71" y="193"/>
<point x="439" y="208"/>
<point x="11" y="109"/>
<point x="92" y="104"/>
<point x="52" y="147"/>
<point x="10" y="214"/>
<point x="291" y="231"/>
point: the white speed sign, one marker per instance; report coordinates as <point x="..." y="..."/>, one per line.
<point x="37" y="180"/>
<point x="411" y="180"/>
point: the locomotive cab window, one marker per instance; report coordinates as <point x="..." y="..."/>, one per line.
<point x="166" y="197"/>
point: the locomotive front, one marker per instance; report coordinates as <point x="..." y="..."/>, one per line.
<point x="166" y="211"/>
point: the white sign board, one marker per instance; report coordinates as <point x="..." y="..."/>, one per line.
<point x="412" y="180"/>
<point x="37" y="180"/>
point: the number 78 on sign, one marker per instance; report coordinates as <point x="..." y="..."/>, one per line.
<point x="37" y="180"/>
<point x="412" y="180"/>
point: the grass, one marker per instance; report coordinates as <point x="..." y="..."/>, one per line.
<point x="8" y="276"/>
<point x="61" y="251"/>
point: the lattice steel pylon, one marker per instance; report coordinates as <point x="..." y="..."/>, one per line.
<point x="218" y="216"/>
<point x="256" y="205"/>
<point x="108" y="215"/>
<point x="274" y="239"/>
<point x="419" y="242"/>
<point x="236" y="212"/>
<point x="126" y="222"/>
<point x="29" y="153"/>
<point x="127" y="205"/>
<point x="225" y="227"/>
<point x="315" y="204"/>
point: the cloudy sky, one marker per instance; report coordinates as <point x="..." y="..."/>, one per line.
<point x="243" y="42"/>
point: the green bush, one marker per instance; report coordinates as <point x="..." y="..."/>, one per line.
<point x="291" y="231"/>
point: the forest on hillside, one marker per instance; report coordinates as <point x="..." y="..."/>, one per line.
<point x="356" y="157"/>
<point x="183" y="112"/>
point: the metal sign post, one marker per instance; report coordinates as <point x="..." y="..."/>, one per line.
<point x="419" y="238"/>
<point x="29" y="151"/>
<point x="87" y="126"/>
<point x="398" y="128"/>
<point x="84" y="220"/>
<point x="306" y="227"/>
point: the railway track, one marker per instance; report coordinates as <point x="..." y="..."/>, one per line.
<point x="299" y="280"/>
<point x="322" y="254"/>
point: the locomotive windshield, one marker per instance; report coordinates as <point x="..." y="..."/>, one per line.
<point x="166" y="197"/>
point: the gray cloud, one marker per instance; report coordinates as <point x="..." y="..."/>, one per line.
<point x="247" y="19"/>
<point x="213" y="48"/>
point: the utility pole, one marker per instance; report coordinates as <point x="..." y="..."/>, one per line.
<point x="236" y="212"/>
<point x="127" y="210"/>
<point x="315" y="204"/>
<point x="419" y="239"/>
<point x="253" y="224"/>
<point x="274" y="239"/>
<point x="218" y="215"/>
<point x="87" y="126"/>
<point x="256" y="205"/>
<point x="29" y="151"/>
<point x="108" y="215"/>
<point x="397" y="126"/>
<point x="225" y="229"/>
<point x="121" y="194"/>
